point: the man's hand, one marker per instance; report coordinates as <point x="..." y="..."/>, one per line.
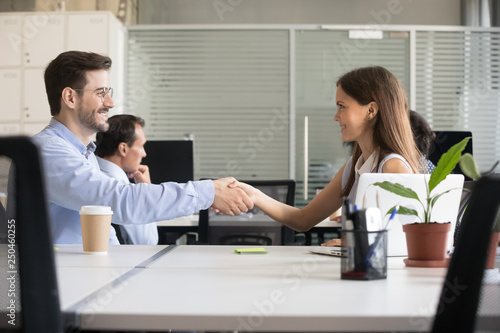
<point x="230" y="200"/>
<point x="249" y="190"/>
<point x="141" y="175"/>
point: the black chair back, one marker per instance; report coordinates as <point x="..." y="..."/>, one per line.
<point x="33" y="250"/>
<point x="461" y="292"/>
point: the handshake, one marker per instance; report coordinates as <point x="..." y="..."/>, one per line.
<point x="233" y="197"/>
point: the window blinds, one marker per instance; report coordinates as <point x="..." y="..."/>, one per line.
<point x="458" y="86"/>
<point x="228" y="90"/>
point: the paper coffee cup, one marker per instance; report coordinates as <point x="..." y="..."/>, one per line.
<point x="96" y="223"/>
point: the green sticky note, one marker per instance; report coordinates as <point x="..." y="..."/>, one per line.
<point x="251" y="250"/>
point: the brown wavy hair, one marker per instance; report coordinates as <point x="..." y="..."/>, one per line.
<point x="391" y="126"/>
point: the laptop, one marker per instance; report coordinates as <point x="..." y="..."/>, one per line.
<point x="444" y="210"/>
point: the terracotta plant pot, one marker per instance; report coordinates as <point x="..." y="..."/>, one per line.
<point x="426" y="243"/>
<point x="492" y="251"/>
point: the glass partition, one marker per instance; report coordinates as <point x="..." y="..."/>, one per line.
<point x="322" y="56"/>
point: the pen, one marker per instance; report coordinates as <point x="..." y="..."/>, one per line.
<point x="378" y="202"/>
<point x="371" y="252"/>
<point x="394" y="212"/>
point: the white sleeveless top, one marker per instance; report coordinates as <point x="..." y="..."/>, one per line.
<point x="370" y="166"/>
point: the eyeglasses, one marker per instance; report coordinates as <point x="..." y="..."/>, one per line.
<point x="101" y="92"/>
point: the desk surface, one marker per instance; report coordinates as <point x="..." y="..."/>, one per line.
<point x="192" y="221"/>
<point x="212" y="288"/>
<point x="183" y="221"/>
<point x="79" y="275"/>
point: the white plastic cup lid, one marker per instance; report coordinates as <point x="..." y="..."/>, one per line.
<point x="96" y="210"/>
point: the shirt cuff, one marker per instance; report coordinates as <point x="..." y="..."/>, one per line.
<point x="206" y="192"/>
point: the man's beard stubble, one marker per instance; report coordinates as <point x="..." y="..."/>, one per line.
<point x="89" y="120"/>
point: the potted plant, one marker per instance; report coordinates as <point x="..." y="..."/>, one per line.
<point x="470" y="169"/>
<point x="426" y="239"/>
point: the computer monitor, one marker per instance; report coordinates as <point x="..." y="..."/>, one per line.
<point x="445" y="140"/>
<point x="169" y="160"/>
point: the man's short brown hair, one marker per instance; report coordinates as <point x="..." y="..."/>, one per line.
<point x="69" y="70"/>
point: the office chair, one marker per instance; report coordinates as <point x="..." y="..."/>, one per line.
<point x="271" y="188"/>
<point x="461" y="292"/>
<point x="35" y="259"/>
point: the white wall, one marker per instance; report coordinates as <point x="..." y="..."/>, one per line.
<point x="418" y="12"/>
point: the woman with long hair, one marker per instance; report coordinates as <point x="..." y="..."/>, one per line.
<point x="372" y="111"/>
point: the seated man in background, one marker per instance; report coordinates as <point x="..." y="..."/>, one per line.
<point x="80" y="97"/>
<point x="119" y="153"/>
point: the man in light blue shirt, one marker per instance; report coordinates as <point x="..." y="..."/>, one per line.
<point x="119" y="152"/>
<point x="80" y="97"/>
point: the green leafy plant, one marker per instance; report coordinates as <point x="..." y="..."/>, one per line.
<point x="445" y="165"/>
<point x="470" y="169"/>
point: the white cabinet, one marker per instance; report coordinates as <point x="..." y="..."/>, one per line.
<point x="10" y="94"/>
<point x="10" y="40"/>
<point x="29" y="41"/>
<point x="10" y="129"/>
<point x="43" y="35"/>
<point x="32" y="129"/>
<point x="81" y="27"/>
<point x="36" y="105"/>
<point x="100" y="32"/>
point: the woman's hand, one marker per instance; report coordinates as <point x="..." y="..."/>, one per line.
<point x="333" y="242"/>
<point x="251" y="191"/>
<point x="337" y="218"/>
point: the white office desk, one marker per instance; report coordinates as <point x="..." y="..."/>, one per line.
<point x="183" y="221"/>
<point x="212" y="288"/>
<point x="328" y="224"/>
<point x="79" y="275"/>
<point x="192" y="221"/>
<point x="118" y="256"/>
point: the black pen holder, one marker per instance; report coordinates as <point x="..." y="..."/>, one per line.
<point x="365" y="255"/>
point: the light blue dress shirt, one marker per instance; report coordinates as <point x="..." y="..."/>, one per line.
<point x="145" y="234"/>
<point x="73" y="179"/>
